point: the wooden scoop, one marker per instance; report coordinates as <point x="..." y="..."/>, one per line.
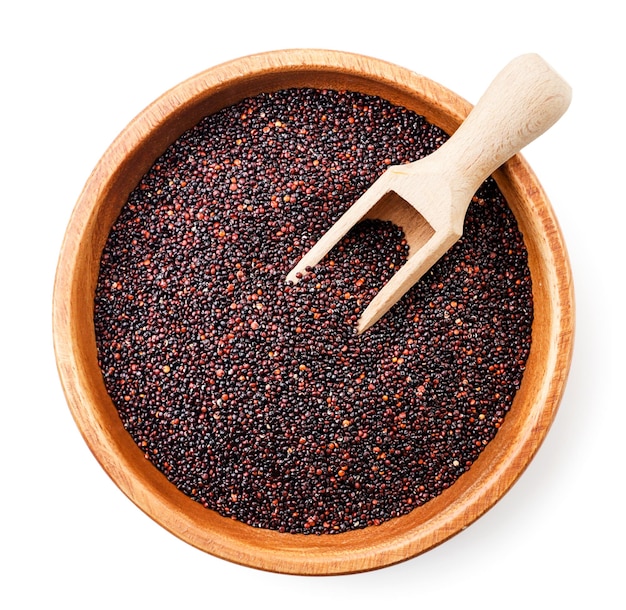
<point x="428" y="198"/>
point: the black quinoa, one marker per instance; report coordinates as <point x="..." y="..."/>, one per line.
<point x="256" y="398"/>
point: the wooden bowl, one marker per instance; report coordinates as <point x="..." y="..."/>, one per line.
<point x="106" y="191"/>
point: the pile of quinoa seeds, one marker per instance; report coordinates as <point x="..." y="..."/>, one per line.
<point x="257" y="398"/>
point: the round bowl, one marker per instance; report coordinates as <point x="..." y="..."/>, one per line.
<point x="106" y="191"/>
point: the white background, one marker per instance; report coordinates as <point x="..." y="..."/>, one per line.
<point x="74" y="74"/>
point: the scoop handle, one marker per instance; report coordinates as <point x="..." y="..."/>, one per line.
<point x="524" y="100"/>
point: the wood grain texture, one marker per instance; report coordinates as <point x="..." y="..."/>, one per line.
<point x="106" y="191"/>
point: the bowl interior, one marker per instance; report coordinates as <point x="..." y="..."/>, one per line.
<point x="106" y="191"/>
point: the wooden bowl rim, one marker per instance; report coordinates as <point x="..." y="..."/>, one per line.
<point x="357" y="551"/>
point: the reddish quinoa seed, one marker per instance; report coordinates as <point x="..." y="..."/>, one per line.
<point x="257" y="398"/>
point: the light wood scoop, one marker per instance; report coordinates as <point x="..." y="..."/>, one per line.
<point x="429" y="198"/>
